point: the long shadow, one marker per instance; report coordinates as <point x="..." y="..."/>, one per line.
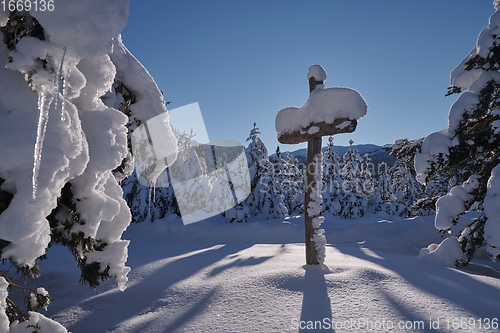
<point x="448" y="284"/>
<point x="146" y="292"/>
<point x="239" y="263"/>
<point x="196" y="310"/>
<point x="316" y="310"/>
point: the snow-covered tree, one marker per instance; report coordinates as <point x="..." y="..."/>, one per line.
<point x="138" y="197"/>
<point x="281" y="175"/>
<point x="436" y="187"/>
<point x="264" y="199"/>
<point x="260" y="169"/>
<point x="467" y="151"/>
<point x="256" y="151"/>
<point x="294" y="198"/>
<point x="367" y="182"/>
<point x="189" y="178"/>
<point x="383" y="195"/>
<point x="405" y="188"/>
<point x="149" y="203"/>
<point x="67" y="144"/>
<point x="332" y="180"/>
<point x="285" y="181"/>
<point x="164" y="197"/>
<point x="230" y="183"/>
<point x="353" y="202"/>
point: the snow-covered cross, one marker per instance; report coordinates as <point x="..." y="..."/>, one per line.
<point x="327" y="111"/>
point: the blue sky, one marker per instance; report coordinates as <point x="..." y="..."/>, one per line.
<point x="243" y="61"/>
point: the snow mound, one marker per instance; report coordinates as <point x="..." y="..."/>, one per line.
<point x="317" y="72"/>
<point x="434" y="144"/>
<point x="447" y="253"/>
<point x="323" y="105"/>
<point x="450" y="206"/>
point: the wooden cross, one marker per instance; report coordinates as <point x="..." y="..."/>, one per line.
<point x="312" y="134"/>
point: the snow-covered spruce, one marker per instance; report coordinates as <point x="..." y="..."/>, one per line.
<point x="257" y="156"/>
<point x="383" y="194"/>
<point x="285" y="181"/>
<point x="466" y="153"/>
<point x="405" y="188"/>
<point x="69" y="194"/>
<point x="296" y="181"/>
<point x="332" y="180"/>
<point x="367" y="183"/>
<point x="353" y="201"/>
<point x="264" y="200"/>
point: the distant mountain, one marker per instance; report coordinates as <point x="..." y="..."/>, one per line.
<point x="376" y="153"/>
<point x="341" y="150"/>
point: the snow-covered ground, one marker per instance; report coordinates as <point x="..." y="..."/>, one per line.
<point x="212" y="276"/>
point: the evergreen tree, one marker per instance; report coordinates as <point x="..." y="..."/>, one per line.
<point x="406" y="189"/>
<point x="164" y="198"/>
<point x="353" y="202"/>
<point x="403" y="189"/>
<point x="189" y="179"/>
<point x="436" y="187"/>
<point x="81" y="150"/>
<point x="332" y="180"/>
<point x="269" y="202"/>
<point x="265" y="199"/>
<point x="469" y="151"/>
<point x="149" y="203"/>
<point x="261" y="172"/>
<point x="239" y="213"/>
<point x="294" y="199"/>
<point x="256" y="152"/>
<point x="368" y="183"/>
<point x="138" y="197"/>
<point x="238" y="188"/>
<point x="383" y="196"/>
<point x="281" y="175"/>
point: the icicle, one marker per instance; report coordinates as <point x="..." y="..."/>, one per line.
<point x="65" y="74"/>
<point x="149" y="203"/>
<point x="154" y="189"/>
<point x="44" y="101"/>
<point x="60" y="79"/>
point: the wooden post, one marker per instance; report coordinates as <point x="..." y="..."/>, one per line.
<point x="313" y="139"/>
<point x="313" y="148"/>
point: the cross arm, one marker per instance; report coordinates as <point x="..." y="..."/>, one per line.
<point x="317" y="130"/>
